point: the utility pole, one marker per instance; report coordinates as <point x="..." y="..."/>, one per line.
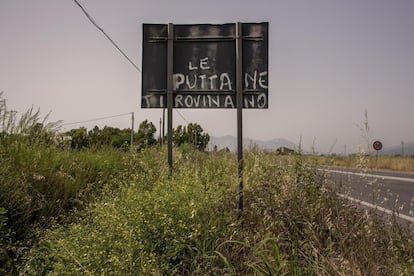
<point x="239" y="97"/>
<point x="132" y="132"/>
<point x="163" y="125"/>
<point x="402" y="148"/>
<point x="160" y="133"/>
<point x="170" y="71"/>
<point x="195" y="139"/>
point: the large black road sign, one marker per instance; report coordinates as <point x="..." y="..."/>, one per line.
<point x="204" y="66"/>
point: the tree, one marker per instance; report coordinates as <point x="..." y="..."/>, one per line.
<point x="39" y="133"/>
<point x="145" y="136"/>
<point x="79" y="138"/>
<point x="113" y="137"/>
<point x="193" y="135"/>
<point x="110" y="136"/>
<point x="180" y="136"/>
<point x="95" y="136"/>
<point x="197" y="137"/>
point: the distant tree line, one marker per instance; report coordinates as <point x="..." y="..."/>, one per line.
<point x="29" y="128"/>
<point x="111" y="136"/>
<point x="190" y="136"/>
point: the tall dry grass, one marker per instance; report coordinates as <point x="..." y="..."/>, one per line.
<point x="186" y="224"/>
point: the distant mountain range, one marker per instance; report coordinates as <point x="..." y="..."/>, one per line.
<point x="398" y="149"/>
<point x="230" y="142"/>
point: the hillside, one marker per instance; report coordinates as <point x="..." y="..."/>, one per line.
<point x="230" y="142"/>
<point x="398" y="150"/>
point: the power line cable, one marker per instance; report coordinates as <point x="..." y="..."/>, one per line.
<point x="97" y="119"/>
<point x="181" y="116"/>
<point x="106" y="35"/>
<point x="122" y="52"/>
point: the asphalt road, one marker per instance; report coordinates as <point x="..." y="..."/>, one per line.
<point x="386" y="191"/>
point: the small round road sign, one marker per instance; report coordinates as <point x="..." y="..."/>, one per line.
<point x="377" y="145"/>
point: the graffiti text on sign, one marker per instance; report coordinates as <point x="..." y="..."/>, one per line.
<point x="200" y="81"/>
<point x="151" y="101"/>
<point x="205" y="101"/>
<point x="255" y="101"/>
<point x="195" y="80"/>
<point x="219" y="101"/>
<point x="255" y="80"/>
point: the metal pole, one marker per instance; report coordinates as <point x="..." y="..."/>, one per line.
<point x="160" y="139"/>
<point x="132" y="132"/>
<point x="170" y="69"/>
<point x="239" y="91"/>
<point x="195" y="139"/>
<point x="163" y="125"/>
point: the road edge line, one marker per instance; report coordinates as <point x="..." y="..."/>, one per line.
<point x="404" y="179"/>
<point x="376" y="207"/>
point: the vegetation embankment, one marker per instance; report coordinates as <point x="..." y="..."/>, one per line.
<point x="148" y="222"/>
<point x="41" y="184"/>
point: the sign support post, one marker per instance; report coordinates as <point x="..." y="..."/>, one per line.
<point x="170" y="68"/>
<point x="377" y="145"/>
<point x="131" y="148"/>
<point x="239" y="95"/>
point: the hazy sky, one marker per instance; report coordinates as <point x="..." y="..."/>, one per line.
<point x="329" y="61"/>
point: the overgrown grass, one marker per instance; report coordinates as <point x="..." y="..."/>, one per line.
<point x="186" y="224"/>
<point x="41" y="183"/>
<point x="153" y="224"/>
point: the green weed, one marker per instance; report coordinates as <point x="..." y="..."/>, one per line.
<point x="186" y="224"/>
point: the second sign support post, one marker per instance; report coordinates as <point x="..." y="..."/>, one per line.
<point x="239" y="95"/>
<point x="170" y="85"/>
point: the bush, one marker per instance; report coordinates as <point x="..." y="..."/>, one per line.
<point x="39" y="182"/>
<point x="185" y="223"/>
<point x="43" y="184"/>
<point x="152" y="224"/>
<point x="6" y="245"/>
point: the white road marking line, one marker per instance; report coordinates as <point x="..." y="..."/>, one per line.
<point x="371" y="175"/>
<point x="376" y="207"/>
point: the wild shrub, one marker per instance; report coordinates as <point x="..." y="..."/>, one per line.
<point x="185" y="223"/>
<point x="297" y="225"/>
<point x="6" y="245"/>
<point x="154" y="223"/>
<point x="41" y="183"/>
